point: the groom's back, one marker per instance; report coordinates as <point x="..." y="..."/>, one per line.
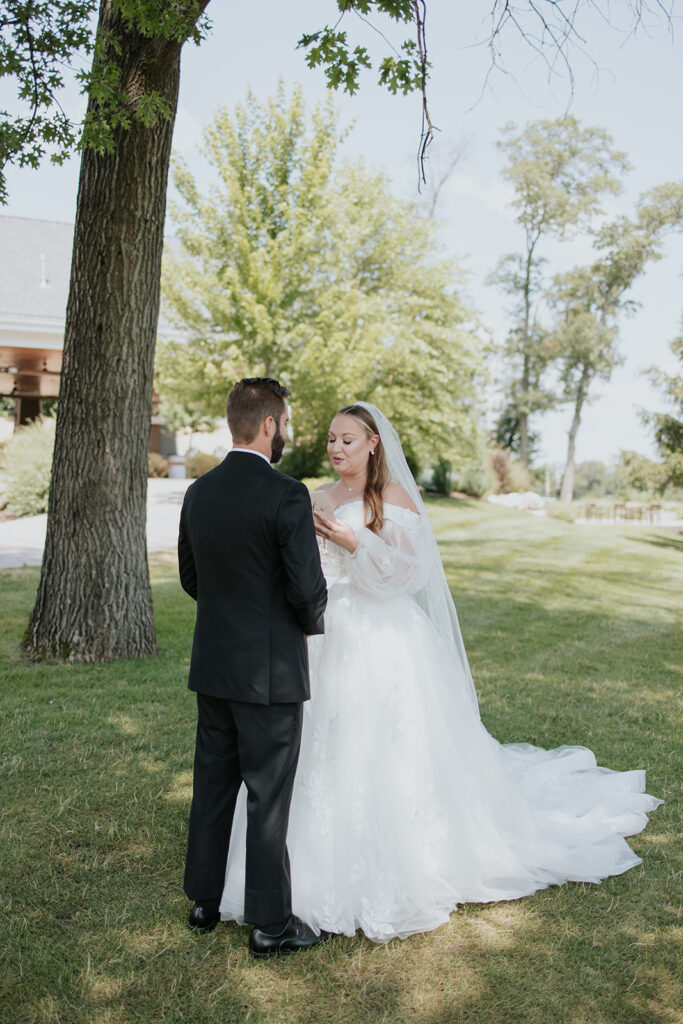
<point x="248" y="555"/>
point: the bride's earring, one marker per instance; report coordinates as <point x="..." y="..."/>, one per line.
<point x="372" y="451"/>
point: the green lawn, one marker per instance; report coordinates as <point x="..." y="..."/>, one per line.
<point x="574" y="637"/>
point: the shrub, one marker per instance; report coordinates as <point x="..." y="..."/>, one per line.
<point x="559" y="510"/>
<point x="473" y="481"/>
<point x="304" y="461"/>
<point x="520" y="480"/>
<point x="200" y="463"/>
<point x="157" y="465"/>
<point x="413" y="461"/>
<point x="442" y="480"/>
<point x="316" y="481"/>
<point x="500" y="464"/>
<point x="510" y="474"/>
<point x="27" y="462"/>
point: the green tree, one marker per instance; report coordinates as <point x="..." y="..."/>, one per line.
<point x="559" y="172"/>
<point x="590" y="301"/>
<point x="636" y="473"/>
<point x="668" y="426"/>
<point x="506" y="433"/>
<point x="296" y="267"/>
<point x="592" y="479"/>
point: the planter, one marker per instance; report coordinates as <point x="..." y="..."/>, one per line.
<point x="176" y="467"/>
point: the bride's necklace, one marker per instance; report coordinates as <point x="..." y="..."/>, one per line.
<point x="354" y="487"/>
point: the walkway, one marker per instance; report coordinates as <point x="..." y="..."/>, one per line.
<point x="22" y="540"/>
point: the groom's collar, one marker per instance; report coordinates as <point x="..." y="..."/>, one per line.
<point x="250" y="451"/>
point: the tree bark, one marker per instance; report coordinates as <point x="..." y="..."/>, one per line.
<point x="524" y="417"/>
<point x="526" y="374"/>
<point x="567" y="488"/>
<point x="94" y="599"/>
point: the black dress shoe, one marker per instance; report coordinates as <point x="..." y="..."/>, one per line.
<point x="204" y="917"/>
<point x="294" y="936"/>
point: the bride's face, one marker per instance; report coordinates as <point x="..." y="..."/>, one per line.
<point x="349" y="446"/>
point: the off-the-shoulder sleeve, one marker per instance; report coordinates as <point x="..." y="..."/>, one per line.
<point x="390" y="563"/>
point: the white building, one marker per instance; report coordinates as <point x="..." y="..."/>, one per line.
<point x="35" y="262"/>
<point x="35" y="257"/>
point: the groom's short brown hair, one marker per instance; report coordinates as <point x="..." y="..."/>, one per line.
<point x="250" y="401"/>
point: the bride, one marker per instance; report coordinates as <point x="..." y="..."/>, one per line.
<point x="404" y="805"/>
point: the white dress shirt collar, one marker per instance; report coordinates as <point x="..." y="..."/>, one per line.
<point x="251" y="451"/>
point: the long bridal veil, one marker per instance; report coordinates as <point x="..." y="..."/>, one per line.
<point x="434" y="597"/>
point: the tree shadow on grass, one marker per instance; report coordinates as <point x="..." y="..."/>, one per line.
<point x="445" y="502"/>
<point x="671" y="541"/>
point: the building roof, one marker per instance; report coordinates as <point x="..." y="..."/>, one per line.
<point x="35" y="261"/>
<point x="35" y="267"/>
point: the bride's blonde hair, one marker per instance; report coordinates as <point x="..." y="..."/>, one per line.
<point x="378" y="471"/>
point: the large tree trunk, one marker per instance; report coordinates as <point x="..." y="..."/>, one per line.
<point x="94" y="600"/>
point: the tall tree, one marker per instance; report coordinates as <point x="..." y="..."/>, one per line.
<point x="559" y="172"/>
<point x="292" y="265"/>
<point x="590" y="300"/>
<point x="94" y="600"/>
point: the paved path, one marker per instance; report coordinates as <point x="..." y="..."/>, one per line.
<point x="22" y="540"/>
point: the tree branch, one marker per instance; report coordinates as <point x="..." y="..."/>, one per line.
<point x="427" y="133"/>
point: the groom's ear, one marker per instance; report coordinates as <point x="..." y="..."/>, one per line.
<point x="269" y="426"/>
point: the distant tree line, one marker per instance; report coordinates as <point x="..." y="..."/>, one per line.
<point x="564" y="330"/>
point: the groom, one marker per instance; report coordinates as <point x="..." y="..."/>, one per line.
<point x="248" y="555"/>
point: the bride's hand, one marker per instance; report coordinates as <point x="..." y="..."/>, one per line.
<point x="336" y="531"/>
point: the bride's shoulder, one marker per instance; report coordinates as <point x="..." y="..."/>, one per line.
<point x="325" y="487"/>
<point x="394" y="494"/>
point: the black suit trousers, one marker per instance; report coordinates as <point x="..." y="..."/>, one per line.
<point x="258" y="744"/>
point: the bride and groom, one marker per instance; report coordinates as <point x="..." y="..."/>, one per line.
<point x="381" y="803"/>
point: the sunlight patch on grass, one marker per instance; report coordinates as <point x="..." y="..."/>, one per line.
<point x="47" y="1011"/>
<point x="128" y="725"/>
<point x="181" y="789"/>
<point x="102" y="988"/>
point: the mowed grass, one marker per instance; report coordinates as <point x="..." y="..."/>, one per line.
<point x="574" y="636"/>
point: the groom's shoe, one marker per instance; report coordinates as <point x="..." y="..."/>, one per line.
<point x="204" y="917"/>
<point x="294" y="936"/>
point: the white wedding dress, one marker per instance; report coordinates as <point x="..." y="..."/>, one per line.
<point x="404" y="806"/>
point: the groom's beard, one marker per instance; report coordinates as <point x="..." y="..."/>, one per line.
<point x="277" y="449"/>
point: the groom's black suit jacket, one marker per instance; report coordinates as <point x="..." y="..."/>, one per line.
<point x="248" y="555"/>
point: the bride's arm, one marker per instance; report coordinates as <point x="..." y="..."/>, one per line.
<point x="390" y="563"/>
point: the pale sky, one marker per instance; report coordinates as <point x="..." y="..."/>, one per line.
<point x="634" y="89"/>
